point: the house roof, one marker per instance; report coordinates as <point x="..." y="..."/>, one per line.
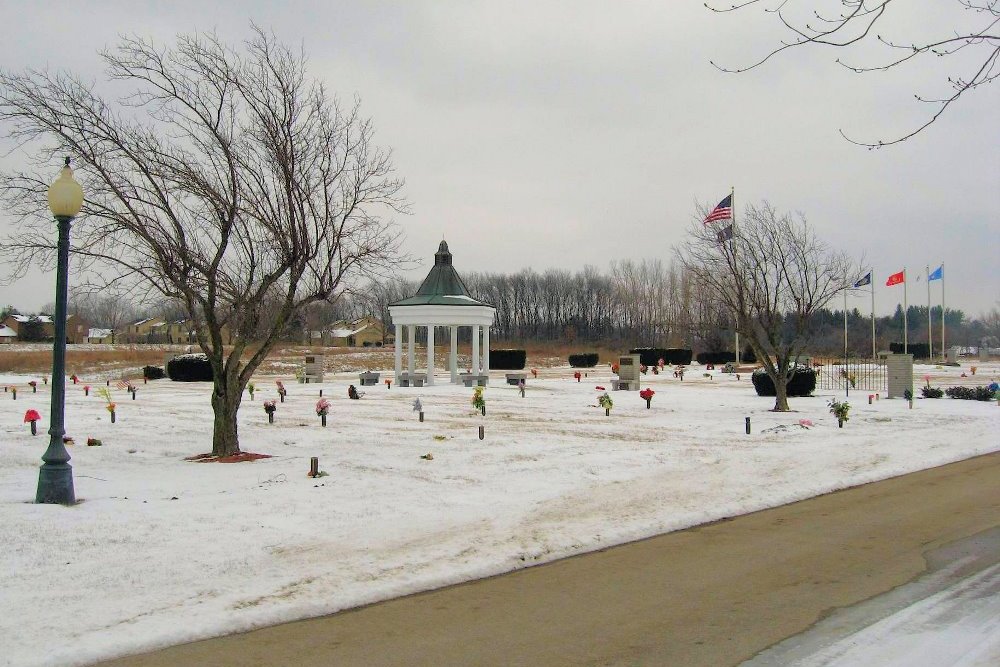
<point x="442" y="286"/>
<point x="98" y="333"/>
<point x="45" y="319"/>
<point x="7" y="332"/>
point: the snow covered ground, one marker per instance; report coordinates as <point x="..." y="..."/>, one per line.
<point x="161" y="551"/>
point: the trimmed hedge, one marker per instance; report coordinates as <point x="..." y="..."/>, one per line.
<point x="190" y="368"/>
<point x="584" y="360"/>
<point x="153" y="373"/>
<point x="748" y="357"/>
<point x="932" y="392"/>
<point x="918" y="350"/>
<point x="802" y="382"/>
<point x="716" y="358"/>
<point x="508" y="360"/>
<point x="650" y="356"/>
<point x="983" y="393"/>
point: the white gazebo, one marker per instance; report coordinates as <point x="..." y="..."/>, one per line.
<point x="443" y="300"/>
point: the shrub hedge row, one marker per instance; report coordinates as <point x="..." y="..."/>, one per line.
<point x="802" y="382"/>
<point x="584" y="360"/>
<point x="153" y="373"/>
<point x="190" y="368"/>
<point x="650" y="356"/>
<point x="918" y="350"/>
<point x="508" y="360"/>
<point x="970" y="393"/>
<point x="716" y="357"/>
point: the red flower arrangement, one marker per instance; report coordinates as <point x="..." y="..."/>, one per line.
<point x="32" y="416"/>
<point x="647" y="395"/>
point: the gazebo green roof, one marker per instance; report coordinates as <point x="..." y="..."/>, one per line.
<point x="442" y="286"/>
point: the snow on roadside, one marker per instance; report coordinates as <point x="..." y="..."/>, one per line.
<point x="162" y="551"/>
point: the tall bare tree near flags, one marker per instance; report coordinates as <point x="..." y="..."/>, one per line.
<point x="773" y="273"/>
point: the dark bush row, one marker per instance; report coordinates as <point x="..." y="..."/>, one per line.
<point x="508" y="360"/>
<point x="716" y="357"/>
<point x="153" y="373"/>
<point x="650" y="356"/>
<point x="970" y="393"/>
<point x="918" y="350"/>
<point x="190" y="368"/>
<point x="748" y="356"/>
<point x="584" y="360"/>
<point x="802" y="383"/>
<point x="931" y="392"/>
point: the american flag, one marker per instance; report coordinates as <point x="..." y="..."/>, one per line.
<point x="725" y="234"/>
<point x="724" y="211"/>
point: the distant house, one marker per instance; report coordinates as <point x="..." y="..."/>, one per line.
<point x="186" y="332"/>
<point x="362" y="332"/>
<point x="15" y="323"/>
<point x="100" y="336"/>
<point x="77" y="329"/>
<point x="7" y="335"/>
<point x="143" y="331"/>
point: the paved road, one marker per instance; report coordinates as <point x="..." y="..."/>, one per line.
<point x="713" y="595"/>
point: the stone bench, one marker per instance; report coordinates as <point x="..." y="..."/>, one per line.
<point x="415" y="380"/>
<point x="517" y="378"/>
<point x="368" y="378"/>
<point x="473" y="380"/>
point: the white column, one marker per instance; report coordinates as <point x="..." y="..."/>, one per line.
<point x="453" y="357"/>
<point x="475" y="349"/>
<point x="430" y="354"/>
<point x="486" y="350"/>
<point x="411" y="361"/>
<point x="399" y="351"/>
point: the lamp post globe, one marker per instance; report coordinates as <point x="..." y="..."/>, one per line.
<point x="55" y="477"/>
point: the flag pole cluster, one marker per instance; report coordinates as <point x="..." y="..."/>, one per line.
<point x="899" y="278"/>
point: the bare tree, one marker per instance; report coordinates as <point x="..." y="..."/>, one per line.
<point x="225" y="178"/>
<point x="774" y="275"/>
<point x="853" y="24"/>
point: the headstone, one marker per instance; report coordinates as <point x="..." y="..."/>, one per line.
<point x="628" y="372"/>
<point x="899" y="368"/>
<point x="313" y="371"/>
<point x="951" y="355"/>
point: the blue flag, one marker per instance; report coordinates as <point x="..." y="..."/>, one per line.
<point x="867" y="280"/>
<point x="937" y="274"/>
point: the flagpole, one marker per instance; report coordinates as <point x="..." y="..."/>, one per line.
<point x="872" y="283"/>
<point x="942" y="310"/>
<point x="732" y="209"/>
<point x="905" y="307"/>
<point x="847" y="390"/>
<point x="930" y="325"/>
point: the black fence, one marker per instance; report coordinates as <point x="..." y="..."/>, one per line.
<point x="855" y="373"/>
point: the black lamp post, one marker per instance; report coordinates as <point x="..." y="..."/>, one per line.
<point x="55" y="477"/>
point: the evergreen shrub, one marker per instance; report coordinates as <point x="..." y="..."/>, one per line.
<point x="650" y="356"/>
<point x="508" y="360"/>
<point x="153" y="373"/>
<point x="918" y="350"/>
<point x="190" y="368"/>
<point x="584" y="360"/>
<point x="802" y="382"/>
<point x="970" y="393"/>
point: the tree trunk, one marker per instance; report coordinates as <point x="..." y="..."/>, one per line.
<point x="781" y="394"/>
<point x="225" y="404"/>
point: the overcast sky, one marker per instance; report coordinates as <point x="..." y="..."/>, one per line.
<point x="555" y="135"/>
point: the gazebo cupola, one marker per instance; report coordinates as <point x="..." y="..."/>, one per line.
<point x="443" y="300"/>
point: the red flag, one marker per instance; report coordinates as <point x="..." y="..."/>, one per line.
<point x="895" y="279"/>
